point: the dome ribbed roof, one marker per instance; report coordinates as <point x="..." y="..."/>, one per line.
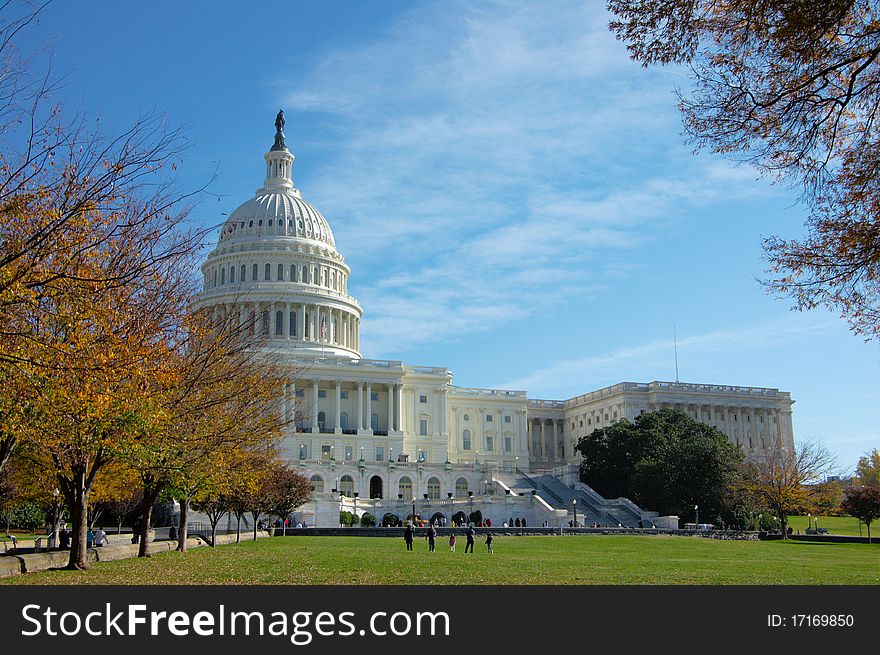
<point x="280" y="212"/>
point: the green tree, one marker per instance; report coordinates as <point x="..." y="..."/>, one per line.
<point x="863" y="503"/>
<point x="664" y="460"/>
<point x="791" y="87"/>
<point x="868" y="468"/>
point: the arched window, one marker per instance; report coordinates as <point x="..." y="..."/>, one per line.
<point x="346" y="486"/>
<point x="293" y="324"/>
<point x="466" y="440"/>
<point x="243" y="270"/>
<point x="434" y="489"/>
<point x="317" y="484"/>
<point x="343" y="421"/>
<point x="279" y="323"/>
<point x="404" y="488"/>
<point x="490" y="442"/>
<point x="232" y="275"/>
<point x="215" y="277"/>
<point x="374" y="422"/>
<point x="293" y="272"/>
<point x="308" y="327"/>
<point x="461" y="488"/>
<point x="223" y="275"/>
<point x="322" y="420"/>
<point x="267" y="273"/>
<point x="315" y="277"/>
<point x="280" y="272"/>
<point x="305" y="275"/>
<point x="265" y="321"/>
<point x="254" y="273"/>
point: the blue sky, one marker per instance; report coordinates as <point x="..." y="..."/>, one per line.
<point x="513" y="194"/>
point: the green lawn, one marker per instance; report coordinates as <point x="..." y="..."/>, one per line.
<point x="20" y="536"/>
<point x="835" y="524"/>
<point x="593" y="559"/>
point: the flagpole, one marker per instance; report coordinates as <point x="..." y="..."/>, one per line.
<point x="675" y="346"/>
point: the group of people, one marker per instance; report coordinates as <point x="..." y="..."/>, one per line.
<point x="431" y="537"/>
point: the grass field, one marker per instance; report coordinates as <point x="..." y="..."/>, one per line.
<point x="594" y="559"/>
<point x="835" y="524"/>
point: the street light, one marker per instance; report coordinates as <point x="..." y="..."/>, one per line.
<point x="413" y="517"/>
<point x="515" y="465"/>
<point x="697" y="515"/>
<point x="302" y="451"/>
<point x="390" y="453"/>
<point x="809" y="521"/>
<point x="574" y="507"/>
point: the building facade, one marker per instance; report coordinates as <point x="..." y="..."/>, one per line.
<point x="392" y="434"/>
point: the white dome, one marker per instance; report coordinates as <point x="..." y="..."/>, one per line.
<point x="278" y="212"/>
<point x="277" y="268"/>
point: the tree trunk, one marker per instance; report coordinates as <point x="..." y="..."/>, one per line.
<point x="119" y="526"/>
<point x="144" y="530"/>
<point x="238" y="529"/>
<point x="77" y="496"/>
<point x="181" y="525"/>
<point x="214" y="532"/>
<point x="869" y="531"/>
<point x="255" y="516"/>
<point x="151" y="492"/>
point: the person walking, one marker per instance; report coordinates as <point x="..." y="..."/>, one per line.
<point x="471" y="533"/>
<point x="408" y="536"/>
<point x="489" y="542"/>
<point x="431" y="536"/>
<point x="452" y="543"/>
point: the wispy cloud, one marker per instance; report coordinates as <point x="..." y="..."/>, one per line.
<point x="489" y="154"/>
<point x="641" y="362"/>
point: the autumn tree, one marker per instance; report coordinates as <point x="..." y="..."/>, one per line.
<point x="783" y="479"/>
<point x="868" y="468"/>
<point x="863" y="503"/>
<point x="792" y="88"/>
<point x="287" y="490"/>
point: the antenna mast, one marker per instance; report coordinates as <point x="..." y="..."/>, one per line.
<point x="675" y="346"/>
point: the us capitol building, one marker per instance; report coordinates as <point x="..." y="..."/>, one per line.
<point x="392" y="438"/>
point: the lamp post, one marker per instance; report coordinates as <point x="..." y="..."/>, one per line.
<point x="515" y="464"/>
<point x="697" y="515"/>
<point x="332" y="453"/>
<point x="362" y="453"/>
<point x="574" y="507"/>
<point x="55" y="517"/>
<point x="390" y="453"/>
<point x="302" y="451"/>
<point x="414" y="511"/>
<point x="809" y="521"/>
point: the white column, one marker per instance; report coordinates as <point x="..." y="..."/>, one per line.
<point x="301" y="322"/>
<point x="398" y="391"/>
<point x="442" y="418"/>
<point x="314" y="411"/>
<point x="368" y="423"/>
<point x="390" y="408"/>
<point x="337" y="428"/>
<point x="360" y="416"/>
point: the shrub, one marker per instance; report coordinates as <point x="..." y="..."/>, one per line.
<point x="368" y="520"/>
<point x="29" y="516"/>
<point x="390" y="520"/>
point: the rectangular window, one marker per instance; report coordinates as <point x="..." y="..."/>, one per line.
<point x="380" y="453"/>
<point x="374" y="396"/>
<point x="488" y="418"/>
<point x="349" y="453"/>
<point x="507" y="445"/>
<point x="343" y="395"/>
<point x="466" y="440"/>
<point x="423" y="426"/>
<point x="423" y="399"/>
<point x="325" y="453"/>
<point x="322" y="393"/>
<point x="490" y="443"/>
<point x="507" y="419"/>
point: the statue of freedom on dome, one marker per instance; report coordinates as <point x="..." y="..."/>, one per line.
<point x="279" y="121"/>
